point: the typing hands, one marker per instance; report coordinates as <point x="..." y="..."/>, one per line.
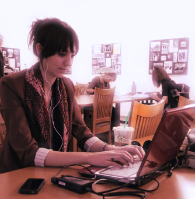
<point x="116" y="156"/>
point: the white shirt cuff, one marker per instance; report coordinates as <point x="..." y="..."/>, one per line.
<point x="90" y="142"/>
<point x="40" y="157"/>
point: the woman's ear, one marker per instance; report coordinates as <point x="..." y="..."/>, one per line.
<point x="39" y="49"/>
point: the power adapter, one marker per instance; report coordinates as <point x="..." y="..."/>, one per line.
<point x="72" y="183"/>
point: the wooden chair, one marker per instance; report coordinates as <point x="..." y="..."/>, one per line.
<point x="2" y="130"/>
<point x="102" y="112"/>
<point x="77" y="88"/>
<point x="183" y="102"/>
<point x="145" y="118"/>
<point x="80" y="89"/>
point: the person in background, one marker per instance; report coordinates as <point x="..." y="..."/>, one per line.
<point x="2" y="63"/>
<point x="41" y="113"/>
<point x="169" y="88"/>
<point x="103" y="81"/>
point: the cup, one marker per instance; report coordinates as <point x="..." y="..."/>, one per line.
<point x="122" y="135"/>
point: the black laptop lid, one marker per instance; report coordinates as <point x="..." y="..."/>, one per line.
<point x="168" y="138"/>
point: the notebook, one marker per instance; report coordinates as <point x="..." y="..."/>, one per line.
<point x="165" y="145"/>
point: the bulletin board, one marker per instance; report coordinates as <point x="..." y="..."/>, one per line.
<point x="106" y="55"/>
<point x="171" y="54"/>
<point x="12" y="57"/>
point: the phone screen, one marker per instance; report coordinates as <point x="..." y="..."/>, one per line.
<point x="32" y="186"/>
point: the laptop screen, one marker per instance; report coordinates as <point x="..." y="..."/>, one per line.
<point x="168" y="138"/>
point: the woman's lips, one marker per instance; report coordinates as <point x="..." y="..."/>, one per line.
<point x="64" y="69"/>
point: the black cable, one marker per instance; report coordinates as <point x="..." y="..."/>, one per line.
<point x="126" y="185"/>
<point x="77" y="165"/>
<point x="131" y="193"/>
<point x="141" y="193"/>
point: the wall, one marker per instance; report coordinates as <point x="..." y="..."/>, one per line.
<point x="132" y="23"/>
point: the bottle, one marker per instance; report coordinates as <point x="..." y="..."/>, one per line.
<point x="133" y="89"/>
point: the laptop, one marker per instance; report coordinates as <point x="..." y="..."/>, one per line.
<point x="165" y="145"/>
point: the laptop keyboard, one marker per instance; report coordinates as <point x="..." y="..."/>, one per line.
<point x="126" y="171"/>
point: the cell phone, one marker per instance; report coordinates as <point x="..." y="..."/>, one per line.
<point x="32" y="186"/>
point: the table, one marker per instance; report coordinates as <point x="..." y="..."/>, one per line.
<point x="87" y="101"/>
<point x="179" y="186"/>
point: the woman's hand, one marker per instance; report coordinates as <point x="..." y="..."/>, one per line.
<point x="117" y="158"/>
<point x="154" y="96"/>
<point x="132" y="149"/>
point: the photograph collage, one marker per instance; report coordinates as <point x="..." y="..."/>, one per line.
<point x="106" y="55"/>
<point x="171" y="54"/>
<point x="11" y="59"/>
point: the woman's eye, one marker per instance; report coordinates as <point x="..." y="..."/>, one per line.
<point x="73" y="55"/>
<point x="62" y="54"/>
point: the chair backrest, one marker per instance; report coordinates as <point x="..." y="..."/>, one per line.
<point x="2" y="130"/>
<point x="183" y="102"/>
<point x="145" y="118"/>
<point x="80" y="89"/>
<point x="76" y="87"/>
<point x="102" y="111"/>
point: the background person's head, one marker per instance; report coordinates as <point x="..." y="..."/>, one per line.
<point x="108" y="74"/>
<point x="110" y="77"/>
<point x="159" y="75"/>
<point x="54" y="36"/>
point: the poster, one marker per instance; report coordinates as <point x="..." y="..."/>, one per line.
<point x="171" y="54"/>
<point x="106" y="55"/>
<point x="11" y="58"/>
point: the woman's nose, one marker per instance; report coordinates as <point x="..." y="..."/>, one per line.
<point x="68" y="60"/>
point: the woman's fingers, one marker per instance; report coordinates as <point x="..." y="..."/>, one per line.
<point x="134" y="149"/>
<point x="122" y="158"/>
<point x="140" y="152"/>
<point x="117" y="158"/>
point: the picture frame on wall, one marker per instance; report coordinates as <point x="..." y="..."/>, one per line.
<point x="12" y="58"/>
<point x="171" y="54"/>
<point x="106" y="55"/>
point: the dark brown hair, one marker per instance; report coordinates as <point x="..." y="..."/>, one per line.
<point x="159" y="75"/>
<point x="54" y="36"/>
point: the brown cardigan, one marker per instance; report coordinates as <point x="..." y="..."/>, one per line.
<point x="19" y="147"/>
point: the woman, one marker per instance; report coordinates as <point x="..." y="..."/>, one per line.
<point x="41" y="113"/>
<point x="169" y="88"/>
<point x="103" y="81"/>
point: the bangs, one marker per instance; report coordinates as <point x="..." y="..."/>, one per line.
<point x="65" y="40"/>
<point x="59" y="39"/>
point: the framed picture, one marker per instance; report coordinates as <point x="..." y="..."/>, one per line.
<point x="12" y="57"/>
<point x="106" y="55"/>
<point x="171" y="54"/>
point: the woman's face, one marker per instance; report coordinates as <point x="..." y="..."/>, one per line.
<point x="58" y="64"/>
<point x="108" y="78"/>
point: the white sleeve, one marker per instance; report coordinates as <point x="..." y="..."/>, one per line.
<point x="40" y="157"/>
<point x="90" y="142"/>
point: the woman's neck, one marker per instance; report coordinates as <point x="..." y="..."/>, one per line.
<point x="48" y="83"/>
<point x="47" y="78"/>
